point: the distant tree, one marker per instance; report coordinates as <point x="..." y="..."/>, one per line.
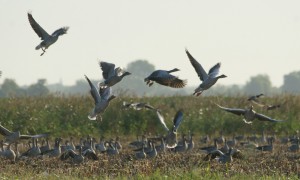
<point x="81" y="87"/>
<point x="291" y="82"/>
<point x="134" y="84"/>
<point x="38" y="89"/>
<point x="10" y="88"/>
<point x="258" y="84"/>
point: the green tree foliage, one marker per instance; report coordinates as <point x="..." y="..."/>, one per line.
<point x="258" y="84"/>
<point x="38" y="89"/>
<point x="10" y="88"/>
<point x="291" y="82"/>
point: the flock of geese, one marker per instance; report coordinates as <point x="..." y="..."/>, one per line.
<point x="102" y="95"/>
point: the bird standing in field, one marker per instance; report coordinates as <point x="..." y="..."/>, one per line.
<point x="208" y="80"/>
<point x="47" y="39"/>
<point x="111" y="75"/>
<point x="164" y="77"/>
<point x="102" y="99"/>
<point x="249" y="114"/>
<point x="171" y="138"/>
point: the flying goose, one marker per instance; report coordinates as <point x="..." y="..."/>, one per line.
<point x="47" y="39"/>
<point x="101" y="99"/>
<point x="164" y="77"/>
<point x="138" y="106"/>
<point x="111" y="75"/>
<point x="208" y="80"/>
<point x="255" y="97"/>
<point x="11" y="137"/>
<point x="249" y="114"/>
<point x="171" y="138"/>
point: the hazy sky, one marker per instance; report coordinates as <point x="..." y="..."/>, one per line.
<point x="247" y="37"/>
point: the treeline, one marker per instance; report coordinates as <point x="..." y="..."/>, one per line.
<point x="134" y="85"/>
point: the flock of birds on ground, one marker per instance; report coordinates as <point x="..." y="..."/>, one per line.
<point x="102" y="95"/>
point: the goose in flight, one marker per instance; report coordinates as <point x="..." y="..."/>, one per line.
<point x="111" y="75"/>
<point x="164" y="77"/>
<point x="11" y="137"/>
<point x="138" y="106"/>
<point x="255" y="99"/>
<point x="249" y="114"/>
<point x="208" y="80"/>
<point x="101" y="98"/>
<point x="171" y="138"/>
<point x="47" y="39"/>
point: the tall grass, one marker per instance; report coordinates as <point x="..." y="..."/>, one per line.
<point x="65" y="116"/>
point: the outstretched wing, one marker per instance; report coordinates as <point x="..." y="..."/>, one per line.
<point x="37" y="28"/>
<point x="197" y="66"/>
<point x="4" y="131"/>
<point x="233" y="110"/>
<point x="34" y="136"/>
<point x="177" y="119"/>
<point x="214" y="71"/>
<point x="94" y="92"/>
<point x="162" y="120"/>
<point x="105" y="92"/>
<point x="266" y="118"/>
<point x="60" y="31"/>
<point x="108" y="69"/>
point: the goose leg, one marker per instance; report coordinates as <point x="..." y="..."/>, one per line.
<point x="43" y="51"/>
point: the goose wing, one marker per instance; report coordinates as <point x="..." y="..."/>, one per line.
<point x="177" y="119"/>
<point x="4" y="131"/>
<point x="148" y="106"/>
<point x="166" y="79"/>
<point x="197" y="66"/>
<point x="105" y="93"/>
<point x="94" y="92"/>
<point x="214" y="71"/>
<point x="37" y="28"/>
<point x="108" y="69"/>
<point x="233" y="110"/>
<point x="60" y="31"/>
<point x="257" y="102"/>
<point x="34" y="136"/>
<point x="266" y="118"/>
<point x="162" y="120"/>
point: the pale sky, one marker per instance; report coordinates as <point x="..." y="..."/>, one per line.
<point x="247" y="37"/>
